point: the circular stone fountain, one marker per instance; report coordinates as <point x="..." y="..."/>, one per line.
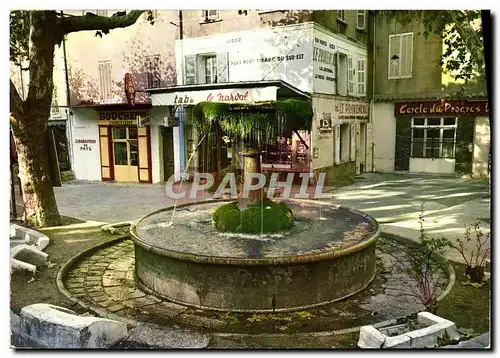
<point x="328" y="255"/>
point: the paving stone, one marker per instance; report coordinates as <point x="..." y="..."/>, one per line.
<point x="92" y="283"/>
<point x="95" y="289"/>
<point x="74" y="284"/>
<point x="100" y="298"/>
<point x="106" y="303"/>
<point x="76" y="290"/>
<point x="101" y="264"/>
<point x="115" y="308"/>
<point x="110" y="281"/>
<point x="93" y="278"/>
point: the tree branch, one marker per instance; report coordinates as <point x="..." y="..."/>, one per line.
<point x="94" y="22"/>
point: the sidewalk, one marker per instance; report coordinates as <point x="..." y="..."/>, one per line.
<point x="395" y="200"/>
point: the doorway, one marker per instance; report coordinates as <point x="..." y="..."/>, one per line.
<point x="362" y="147"/>
<point x="168" y="152"/>
<point x="125" y="157"/>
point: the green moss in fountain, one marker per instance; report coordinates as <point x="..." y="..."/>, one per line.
<point x="277" y="218"/>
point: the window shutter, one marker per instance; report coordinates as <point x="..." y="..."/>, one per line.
<point x="406" y="55"/>
<point x="223" y="67"/>
<point x="361" y="77"/>
<point x="350" y="76"/>
<point x="190" y="70"/>
<point x="337" y="144"/>
<point x="361" y="20"/>
<point x="337" y="72"/>
<point x="352" y="153"/>
<point x="394" y="50"/>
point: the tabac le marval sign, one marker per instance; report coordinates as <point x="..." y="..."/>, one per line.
<point x="452" y="108"/>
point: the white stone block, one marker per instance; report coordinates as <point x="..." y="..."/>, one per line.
<point x="400" y="341"/>
<point x="370" y="337"/>
<point x="16" y="265"/>
<point x="51" y="326"/>
<point x="424" y="337"/>
<point x="29" y="254"/>
<point x="42" y="242"/>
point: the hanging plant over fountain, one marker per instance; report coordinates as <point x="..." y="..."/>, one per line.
<point x="257" y="125"/>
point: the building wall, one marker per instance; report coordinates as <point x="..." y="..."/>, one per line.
<point x="481" y="147"/>
<point x="287" y="54"/>
<point x="194" y="24"/>
<point x="84" y="126"/>
<point x="426" y="71"/>
<point x="127" y="49"/>
<point x="384" y="137"/>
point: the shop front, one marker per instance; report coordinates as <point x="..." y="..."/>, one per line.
<point x="112" y="143"/>
<point x="125" y="144"/>
<point x="215" y="151"/>
<point x="442" y="137"/>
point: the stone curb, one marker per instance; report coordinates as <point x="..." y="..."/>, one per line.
<point x="30" y="236"/>
<point x="132" y="323"/>
<point x="444" y="262"/>
<point x="113" y="228"/>
<point x="74" y="260"/>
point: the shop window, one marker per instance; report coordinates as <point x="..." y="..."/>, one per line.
<point x="433" y="137"/>
<point x="400" y="56"/>
<point x="120" y="150"/>
<point x="152" y="69"/>
<point x="119" y="133"/>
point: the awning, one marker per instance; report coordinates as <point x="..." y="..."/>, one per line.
<point x="237" y="92"/>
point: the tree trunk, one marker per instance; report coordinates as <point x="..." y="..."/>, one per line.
<point x="40" y="207"/>
<point x="251" y="164"/>
<point x="29" y="124"/>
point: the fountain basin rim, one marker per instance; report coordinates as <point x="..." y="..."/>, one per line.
<point x="221" y="260"/>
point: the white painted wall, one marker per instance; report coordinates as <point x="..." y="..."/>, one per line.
<point x="127" y="49"/>
<point x="337" y="109"/>
<point x="384" y="137"/>
<point x="481" y="147"/>
<point x="84" y="125"/>
<point x="333" y="43"/>
<point x="431" y="165"/>
<point x="246" y="48"/>
<point x="157" y="168"/>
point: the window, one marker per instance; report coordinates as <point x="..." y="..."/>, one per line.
<point x="190" y="70"/>
<point x="96" y="12"/>
<point x="210" y="69"/>
<point x="400" y="56"/>
<point x="361" y="77"/>
<point x="210" y="15"/>
<point x="361" y="20"/>
<point x="105" y="80"/>
<point x="433" y="137"/>
<point x="153" y="71"/>
<point x="341" y="15"/>
<point x="350" y="75"/>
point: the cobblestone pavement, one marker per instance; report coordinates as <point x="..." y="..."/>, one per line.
<point x="105" y="280"/>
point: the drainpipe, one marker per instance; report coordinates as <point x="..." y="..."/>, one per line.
<point x="373" y="90"/>
<point x="69" y="113"/>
